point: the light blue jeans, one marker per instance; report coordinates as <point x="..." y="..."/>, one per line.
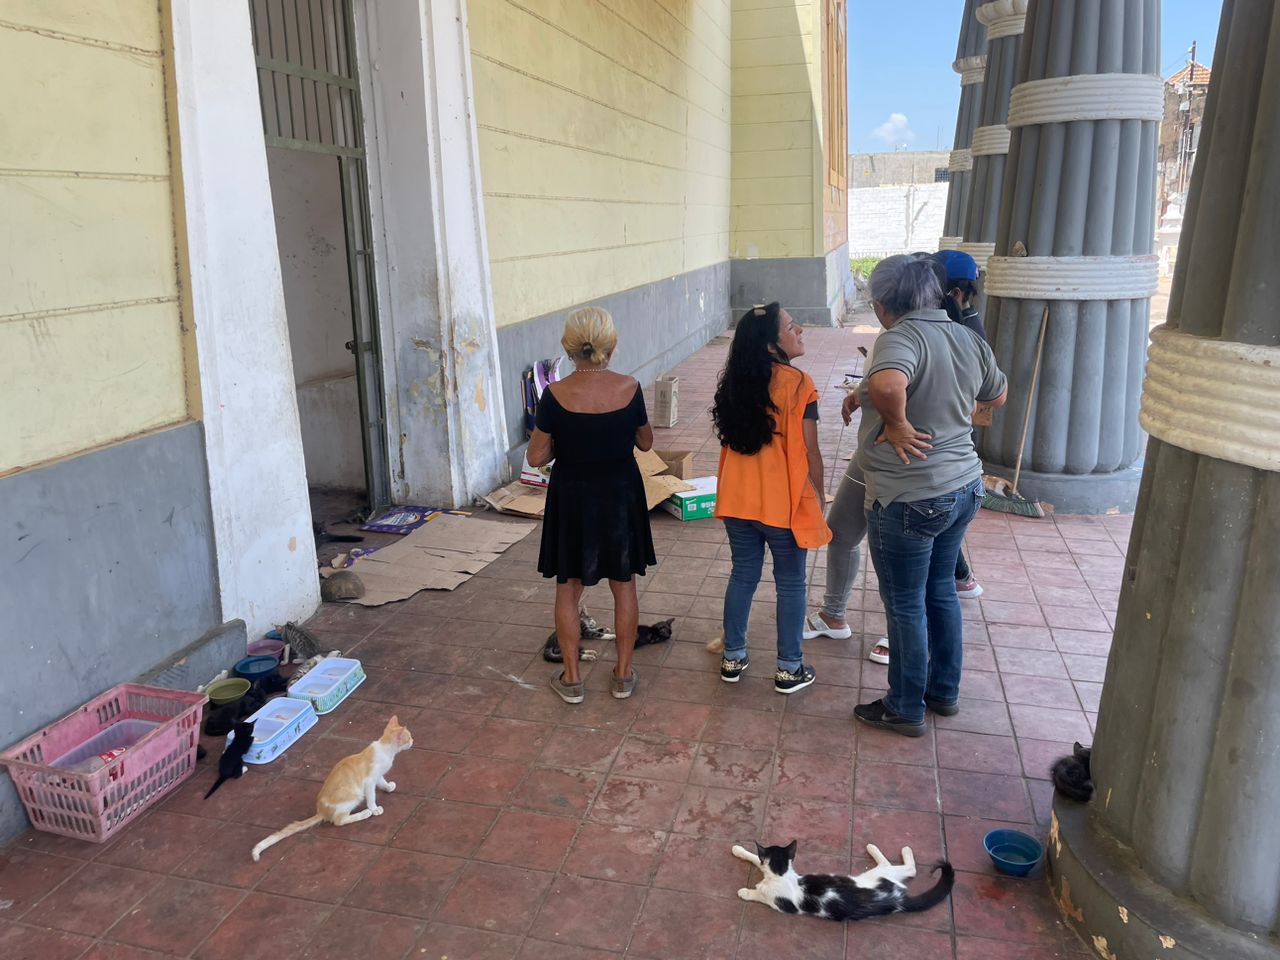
<point x="914" y="547"/>
<point x="747" y="540"/>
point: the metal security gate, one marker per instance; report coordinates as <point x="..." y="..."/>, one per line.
<point x="309" y="89"/>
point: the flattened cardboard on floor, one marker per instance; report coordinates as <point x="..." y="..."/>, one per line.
<point x="441" y="555"/>
<point x="519" y="499"/>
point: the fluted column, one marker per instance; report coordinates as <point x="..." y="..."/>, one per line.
<point x="1002" y="22"/>
<point x="1178" y="855"/>
<point x="1076" y="233"/>
<point x="971" y="64"/>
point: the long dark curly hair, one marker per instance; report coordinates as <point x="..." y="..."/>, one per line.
<point x="742" y="412"/>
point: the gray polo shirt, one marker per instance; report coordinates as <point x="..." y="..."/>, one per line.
<point x="948" y="367"/>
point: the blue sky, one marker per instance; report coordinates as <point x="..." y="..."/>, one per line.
<point x="900" y="57"/>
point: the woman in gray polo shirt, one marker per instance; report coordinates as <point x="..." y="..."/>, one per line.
<point x="924" y="484"/>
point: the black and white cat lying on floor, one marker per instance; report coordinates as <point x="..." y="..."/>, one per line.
<point x="878" y="892"/>
<point x="1071" y="775"/>
<point x="645" y="635"/>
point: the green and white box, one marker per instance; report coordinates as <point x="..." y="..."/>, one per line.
<point x="696" y="504"/>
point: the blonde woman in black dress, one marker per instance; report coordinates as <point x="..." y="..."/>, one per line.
<point x="596" y="524"/>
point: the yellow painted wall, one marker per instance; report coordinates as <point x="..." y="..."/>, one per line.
<point x="91" y="345"/>
<point x="604" y="130"/>
<point x="777" y="111"/>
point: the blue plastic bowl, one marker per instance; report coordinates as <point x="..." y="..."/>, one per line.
<point x="1013" y="852"/>
<point x="255" y="668"/>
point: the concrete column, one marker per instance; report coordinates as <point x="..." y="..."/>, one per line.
<point x="1076" y="233"/>
<point x="253" y="446"/>
<point x="1002" y="22"/>
<point x="1178" y="855"/>
<point x="444" y="391"/>
<point x="971" y="64"/>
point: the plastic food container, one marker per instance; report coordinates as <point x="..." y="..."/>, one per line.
<point x="277" y="727"/>
<point x="149" y="736"/>
<point x="222" y="692"/>
<point x="255" y="668"/>
<point x="266" y="647"/>
<point x="329" y="682"/>
<point x="1013" y="852"/>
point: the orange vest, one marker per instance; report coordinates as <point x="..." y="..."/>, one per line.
<point x="772" y="486"/>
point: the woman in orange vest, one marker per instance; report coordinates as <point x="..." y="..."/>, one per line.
<point x="769" y="490"/>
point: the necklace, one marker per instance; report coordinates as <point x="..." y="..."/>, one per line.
<point x="590" y="369"/>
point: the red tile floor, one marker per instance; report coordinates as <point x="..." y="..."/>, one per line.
<point x="525" y="828"/>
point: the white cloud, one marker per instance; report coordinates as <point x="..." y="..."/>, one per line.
<point x="894" y="132"/>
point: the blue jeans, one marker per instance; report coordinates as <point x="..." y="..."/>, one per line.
<point x="914" y="546"/>
<point x="747" y="539"/>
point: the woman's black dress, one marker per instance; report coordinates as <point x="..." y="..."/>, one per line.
<point x="596" y="524"/>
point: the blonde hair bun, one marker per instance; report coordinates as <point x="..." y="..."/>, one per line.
<point x="590" y="336"/>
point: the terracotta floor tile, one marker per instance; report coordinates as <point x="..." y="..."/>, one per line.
<point x="608" y="852"/>
<point x="119" y="951"/>
<point x="882" y="745"/>
<point x="555" y="790"/>
<point x="446" y="828"/>
<point x="1049" y="723"/>
<point x="27" y="875"/>
<point x="405" y="882"/>
<point x="733" y="815"/>
<point x="176" y="916"/>
<point x="480" y="780"/>
<point x="1038" y="691"/>
<point x="655" y="758"/>
<point x="819" y="827"/>
<point x="319" y="868"/>
<point x="465" y="943"/>
<point x="669" y="718"/>
<point x="825" y="736"/>
<point x="370" y="936"/>
<point x="159" y="842"/>
<point x="224" y="858"/>
<point x="520" y="740"/>
<point x="702" y="865"/>
<point x="546" y="950"/>
<point x="263" y="927"/>
<point x="891" y="830"/>
<point x="980" y="948"/>
<point x="767" y="934"/>
<point x="680" y="926"/>
<point x="970" y="794"/>
<point x="1010" y="635"/>
<point x="959" y="750"/>
<point x="589" y="913"/>
<point x="637" y="803"/>
<point x="964" y="841"/>
<point x="978" y="716"/>
<point x="32" y="943"/>
<point x="99" y="897"/>
<point x="1035" y="663"/>
<point x="1085" y="642"/>
<point x="896" y="785"/>
<point x="742" y="727"/>
<point x="1003" y="908"/>
<point x="824" y="700"/>
<point x="1024" y="614"/>
<point x="1077" y="617"/>
<point x="813" y="777"/>
<point x="495" y="898"/>
<point x="1088" y="668"/>
<point x="885" y="942"/>
<point x="732" y="768"/>
<point x="531" y="840"/>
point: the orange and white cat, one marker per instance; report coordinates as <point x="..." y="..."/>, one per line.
<point x="352" y="781"/>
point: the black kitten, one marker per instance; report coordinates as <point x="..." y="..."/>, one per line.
<point x="1071" y="775"/>
<point x="222" y="720"/>
<point x="655" y="633"/>
<point x="231" y="763"/>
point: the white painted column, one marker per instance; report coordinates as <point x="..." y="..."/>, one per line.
<point x="444" y="389"/>
<point x="257" y="478"/>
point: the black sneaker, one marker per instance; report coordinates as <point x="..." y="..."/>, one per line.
<point x="784" y="681"/>
<point x="731" y="670"/>
<point x="942" y="708"/>
<point x="876" y="714"/>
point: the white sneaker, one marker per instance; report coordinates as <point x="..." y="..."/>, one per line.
<point x="874" y="657"/>
<point x="969" y="589"/>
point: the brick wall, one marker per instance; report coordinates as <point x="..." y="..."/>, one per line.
<point x="898" y="219"/>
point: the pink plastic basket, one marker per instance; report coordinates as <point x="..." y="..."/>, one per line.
<point x="96" y="806"/>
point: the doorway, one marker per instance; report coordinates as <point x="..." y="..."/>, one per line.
<point x="309" y="91"/>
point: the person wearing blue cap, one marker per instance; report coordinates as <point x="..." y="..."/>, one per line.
<point x="962" y="286"/>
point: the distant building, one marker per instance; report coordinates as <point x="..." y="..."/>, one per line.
<point x="897" y="201"/>
<point x="1184" y="99"/>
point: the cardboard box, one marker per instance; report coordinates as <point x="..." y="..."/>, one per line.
<point x="679" y="463"/>
<point x="664" y="473"/>
<point x="696" y="504"/>
<point x="519" y="499"/>
<point x="665" y="393"/>
<point x="535" y="476"/>
<point x="982" y="416"/>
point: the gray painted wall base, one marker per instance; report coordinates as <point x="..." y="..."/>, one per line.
<point x="814" y="290"/>
<point x="109" y="569"/>
<point x="659" y="325"/>
<point x="201" y="661"/>
<point x="1083" y="494"/>
<point x="1119" y="911"/>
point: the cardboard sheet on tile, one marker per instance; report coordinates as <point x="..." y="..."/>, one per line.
<point x="519" y="499"/>
<point x="659" y="483"/>
<point x="441" y="555"/>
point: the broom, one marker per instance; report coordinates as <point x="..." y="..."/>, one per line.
<point x="1003" y="497"/>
